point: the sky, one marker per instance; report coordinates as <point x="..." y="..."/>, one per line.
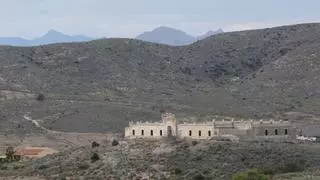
<point x="128" y="18"/>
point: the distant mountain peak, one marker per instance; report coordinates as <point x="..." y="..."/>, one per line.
<point x="165" y="28"/>
<point x="172" y="36"/>
<point x="166" y="35"/>
<point x="210" y="33"/>
<point x="52" y="31"/>
<point x="52" y="36"/>
<point x="215" y="32"/>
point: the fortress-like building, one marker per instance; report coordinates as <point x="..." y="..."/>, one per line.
<point x="250" y="129"/>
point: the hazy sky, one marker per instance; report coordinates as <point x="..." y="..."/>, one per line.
<point x="127" y="18"/>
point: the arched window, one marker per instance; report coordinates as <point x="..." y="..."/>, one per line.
<point x="209" y="133"/>
<point x="133" y="132"/>
<point x="276" y="131"/>
<point x="160" y="132"/>
<point x="151" y="132"/>
<point x="142" y="132"/>
<point x="286" y="131"/>
<point x="266" y="132"/>
<point x="190" y="133"/>
<point x="199" y="133"/>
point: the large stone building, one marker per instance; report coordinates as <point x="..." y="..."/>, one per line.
<point x="251" y="129"/>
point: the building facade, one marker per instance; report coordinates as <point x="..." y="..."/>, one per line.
<point x="170" y="127"/>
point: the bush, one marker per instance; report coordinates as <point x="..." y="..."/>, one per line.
<point x="2" y="167"/>
<point x="177" y="171"/>
<point x="115" y="143"/>
<point x="194" y="143"/>
<point x="267" y="171"/>
<point x="94" y="144"/>
<point x="198" y="158"/>
<point x="83" y="166"/>
<point x="291" y="167"/>
<point x="10" y="153"/>
<point x="198" y="177"/>
<point x="252" y="174"/>
<point x="40" y="97"/>
<point x="43" y="166"/>
<point x="95" y="157"/>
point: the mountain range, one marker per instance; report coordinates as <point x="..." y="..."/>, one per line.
<point x="171" y="36"/>
<point x="164" y="35"/>
<point x="50" y="37"/>
<point x="100" y="85"/>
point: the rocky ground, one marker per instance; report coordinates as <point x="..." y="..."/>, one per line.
<point x="172" y="159"/>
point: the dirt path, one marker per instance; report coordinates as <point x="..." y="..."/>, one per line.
<point x="37" y="124"/>
<point x="71" y="139"/>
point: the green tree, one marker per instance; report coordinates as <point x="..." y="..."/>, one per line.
<point x="10" y="153"/>
<point x="252" y="174"/>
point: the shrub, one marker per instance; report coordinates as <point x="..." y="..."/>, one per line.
<point x="43" y="166"/>
<point x="198" y="158"/>
<point x="115" y="143"/>
<point x="2" y="167"/>
<point x="40" y="97"/>
<point x="291" y="167"/>
<point x="95" y="157"/>
<point x="10" y="153"/>
<point x="252" y="174"/>
<point x="198" y="177"/>
<point x="176" y="171"/>
<point x="94" y="144"/>
<point x="267" y="171"/>
<point x="83" y="166"/>
<point x="194" y="143"/>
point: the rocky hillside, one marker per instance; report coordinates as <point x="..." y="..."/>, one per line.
<point x="102" y="84"/>
<point x="171" y="160"/>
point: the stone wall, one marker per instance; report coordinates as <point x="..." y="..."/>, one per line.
<point x="274" y="131"/>
<point x="146" y="131"/>
<point x="196" y="131"/>
<point x="242" y="129"/>
<point x="241" y="133"/>
<point x="243" y="125"/>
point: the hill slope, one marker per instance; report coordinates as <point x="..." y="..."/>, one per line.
<point x="210" y="33"/>
<point x="214" y="160"/>
<point x="102" y="84"/>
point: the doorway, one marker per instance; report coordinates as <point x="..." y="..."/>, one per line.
<point x="169" y="131"/>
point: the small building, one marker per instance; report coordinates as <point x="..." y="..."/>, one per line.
<point x="250" y="129"/>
